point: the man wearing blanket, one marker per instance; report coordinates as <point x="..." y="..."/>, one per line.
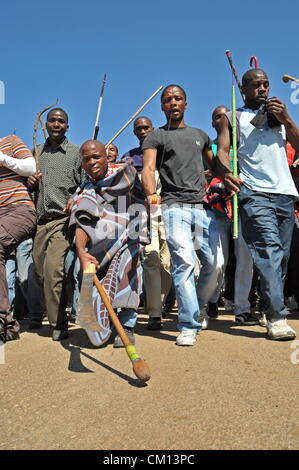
<point x="111" y="222"/>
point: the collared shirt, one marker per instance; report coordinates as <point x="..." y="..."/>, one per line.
<point x="61" y="175"/>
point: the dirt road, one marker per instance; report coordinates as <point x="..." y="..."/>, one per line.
<point x="234" y="389"/>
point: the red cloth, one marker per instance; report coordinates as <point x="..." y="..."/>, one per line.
<point x="215" y="192"/>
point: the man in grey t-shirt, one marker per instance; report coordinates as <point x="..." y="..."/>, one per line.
<point x="177" y="151"/>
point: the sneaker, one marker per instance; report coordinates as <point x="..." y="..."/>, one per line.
<point x="118" y="342"/>
<point x="228" y="305"/>
<point x="280" y="330"/>
<point x="154" y="323"/>
<point x="203" y="318"/>
<point x="263" y="320"/>
<point x="186" y="338"/>
<point x="291" y="303"/>
<point x="212" y="310"/>
<point x="247" y="318"/>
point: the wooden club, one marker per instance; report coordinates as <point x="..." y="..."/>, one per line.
<point x="140" y="367"/>
<point x="286" y="78"/>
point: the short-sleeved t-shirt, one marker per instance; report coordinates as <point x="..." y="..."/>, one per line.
<point x="262" y="155"/>
<point x="180" y="163"/>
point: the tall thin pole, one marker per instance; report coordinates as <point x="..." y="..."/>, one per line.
<point x="134" y="115"/>
<point x="235" y="162"/>
<point x="234" y="71"/>
<point x="96" y="126"/>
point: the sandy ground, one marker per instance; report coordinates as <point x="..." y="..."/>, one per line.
<point x="234" y="389"/>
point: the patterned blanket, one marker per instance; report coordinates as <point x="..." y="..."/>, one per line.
<point x="113" y="215"/>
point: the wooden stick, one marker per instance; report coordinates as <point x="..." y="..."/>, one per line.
<point x="286" y="78"/>
<point x="43" y="128"/>
<point x="134" y="115"/>
<point x="140" y="367"/>
<point x="39" y="114"/>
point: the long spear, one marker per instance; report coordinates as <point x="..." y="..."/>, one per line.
<point x="96" y="126"/>
<point x="134" y="115"/>
<point x="235" y="162"/>
<point x="230" y="60"/>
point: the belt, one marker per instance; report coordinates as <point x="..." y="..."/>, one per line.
<point x="48" y="218"/>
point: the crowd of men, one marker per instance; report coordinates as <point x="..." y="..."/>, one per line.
<point x="155" y="221"/>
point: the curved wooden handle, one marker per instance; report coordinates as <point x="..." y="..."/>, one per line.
<point x="91" y="269"/>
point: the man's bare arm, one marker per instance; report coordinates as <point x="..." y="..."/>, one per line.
<point x="148" y="172"/>
<point x="85" y="258"/>
<point x="222" y="167"/>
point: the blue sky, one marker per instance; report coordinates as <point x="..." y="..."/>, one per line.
<point x="61" y="49"/>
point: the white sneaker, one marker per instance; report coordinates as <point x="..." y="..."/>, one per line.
<point x="228" y="305"/>
<point x="263" y="320"/>
<point x="279" y="329"/>
<point x="203" y="318"/>
<point x="186" y="338"/>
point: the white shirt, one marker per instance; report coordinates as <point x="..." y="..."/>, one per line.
<point x="262" y="157"/>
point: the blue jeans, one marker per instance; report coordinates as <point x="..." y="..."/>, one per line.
<point x="11" y="270"/>
<point x="74" y="280"/>
<point x="127" y="317"/>
<point x="191" y="232"/>
<point x="28" y="282"/>
<point x="267" y="226"/>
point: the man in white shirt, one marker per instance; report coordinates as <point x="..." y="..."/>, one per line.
<point x="267" y="192"/>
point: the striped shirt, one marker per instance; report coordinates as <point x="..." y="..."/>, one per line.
<point x="13" y="189"/>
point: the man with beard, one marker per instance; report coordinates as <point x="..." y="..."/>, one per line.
<point x="267" y="191"/>
<point x="59" y="177"/>
<point x="177" y="151"/>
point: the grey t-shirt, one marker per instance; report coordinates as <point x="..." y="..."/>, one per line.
<point x="180" y="165"/>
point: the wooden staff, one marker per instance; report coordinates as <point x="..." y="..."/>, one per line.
<point x="43" y="128"/>
<point x="140" y="367"/>
<point x="286" y="78"/>
<point x="38" y="118"/>
<point x="133" y="117"/>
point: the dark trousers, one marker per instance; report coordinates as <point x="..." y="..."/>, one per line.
<point x="267" y="226"/>
<point x="17" y="223"/>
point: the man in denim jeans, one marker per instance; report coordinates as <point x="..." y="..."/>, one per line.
<point x="267" y="192"/>
<point x="177" y="151"/>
